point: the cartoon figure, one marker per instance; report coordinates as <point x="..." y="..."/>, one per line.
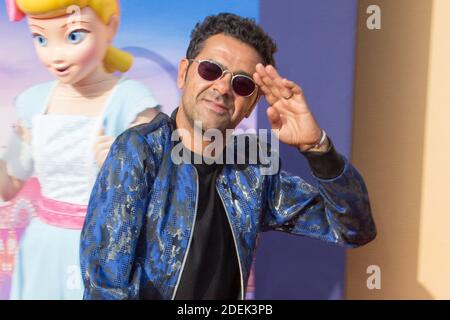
<point x="65" y="130"/>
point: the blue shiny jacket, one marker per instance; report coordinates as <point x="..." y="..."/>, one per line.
<point x="142" y="210"/>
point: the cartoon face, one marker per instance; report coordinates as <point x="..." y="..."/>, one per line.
<point x="217" y="103"/>
<point x="72" y="47"/>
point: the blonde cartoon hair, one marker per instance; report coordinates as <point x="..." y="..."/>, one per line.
<point x="115" y="59"/>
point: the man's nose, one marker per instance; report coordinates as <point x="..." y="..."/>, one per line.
<point x="223" y="84"/>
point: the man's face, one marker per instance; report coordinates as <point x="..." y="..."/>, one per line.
<point x="214" y="103"/>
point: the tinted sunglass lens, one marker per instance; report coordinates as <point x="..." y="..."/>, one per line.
<point x="209" y="71"/>
<point x="243" y="86"/>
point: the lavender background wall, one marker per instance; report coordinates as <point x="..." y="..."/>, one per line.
<point x="316" y="40"/>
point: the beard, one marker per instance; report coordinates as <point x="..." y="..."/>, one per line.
<point x="209" y="110"/>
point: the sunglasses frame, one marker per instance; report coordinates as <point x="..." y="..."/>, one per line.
<point x="225" y="71"/>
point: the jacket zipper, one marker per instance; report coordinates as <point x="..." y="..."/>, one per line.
<point x="235" y="246"/>
<point x="190" y="238"/>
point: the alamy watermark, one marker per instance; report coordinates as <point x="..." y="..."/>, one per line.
<point x="374" y="20"/>
<point x="74" y="18"/>
<point x="374" y="280"/>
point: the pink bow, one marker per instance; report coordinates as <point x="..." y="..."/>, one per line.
<point x="14" y="13"/>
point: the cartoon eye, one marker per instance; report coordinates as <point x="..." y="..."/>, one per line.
<point x="77" y="36"/>
<point x="40" y="40"/>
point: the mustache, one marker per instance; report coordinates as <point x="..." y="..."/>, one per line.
<point x="216" y="97"/>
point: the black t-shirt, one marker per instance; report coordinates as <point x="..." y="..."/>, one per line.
<point x="211" y="271"/>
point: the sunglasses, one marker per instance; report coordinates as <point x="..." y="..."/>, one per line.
<point x="211" y="71"/>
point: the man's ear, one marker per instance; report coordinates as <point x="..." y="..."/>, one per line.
<point x="113" y="26"/>
<point x="255" y="102"/>
<point x="183" y="68"/>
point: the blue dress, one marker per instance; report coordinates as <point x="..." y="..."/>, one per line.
<point x="47" y="264"/>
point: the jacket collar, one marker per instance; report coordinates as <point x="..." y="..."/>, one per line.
<point x="173" y="118"/>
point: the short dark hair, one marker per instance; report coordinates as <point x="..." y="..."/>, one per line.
<point x="243" y="29"/>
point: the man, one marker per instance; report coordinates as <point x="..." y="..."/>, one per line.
<point x="158" y="228"/>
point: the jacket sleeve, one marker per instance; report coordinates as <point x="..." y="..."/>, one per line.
<point x="336" y="211"/>
<point x="114" y="220"/>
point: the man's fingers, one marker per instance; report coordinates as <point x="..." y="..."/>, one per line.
<point x="260" y="83"/>
<point x="274" y="117"/>
<point x="260" y="69"/>
<point x="286" y="88"/>
<point x="265" y="90"/>
<point x="281" y="90"/>
<point x="271" y="79"/>
<point x="258" y="79"/>
<point x="295" y="88"/>
<point x="274" y="88"/>
<point x="272" y="72"/>
<point x="264" y="77"/>
<point x="283" y="107"/>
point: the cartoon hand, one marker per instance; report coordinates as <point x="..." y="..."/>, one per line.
<point x="102" y="147"/>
